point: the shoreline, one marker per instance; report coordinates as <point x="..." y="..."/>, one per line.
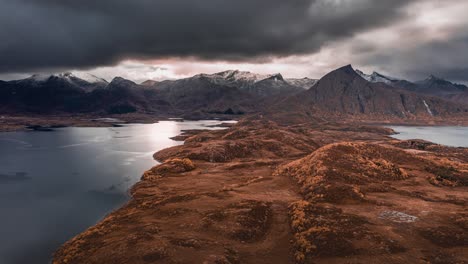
<point x="10" y="123"/>
<point x="195" y="202"/>
<point x="115" y="160"/>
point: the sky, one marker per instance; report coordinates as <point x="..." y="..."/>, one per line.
<point x="170" y="39"/>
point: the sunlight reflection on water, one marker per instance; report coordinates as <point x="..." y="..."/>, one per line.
<point x="56" y="184"/>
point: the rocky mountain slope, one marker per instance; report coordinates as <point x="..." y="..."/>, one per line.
<point x="441" y="88"/>
<point x="44" y="93"/>
<point x="200" y="93"/>
<point x="255" y="84"/>
<point x="230" y="92"/>
<point x="305" y="83"/>
<point x="376" y="77"/>
<point x="343" y="93"/>
<point x="432" y="85"/>
<point x="69" y="93"/>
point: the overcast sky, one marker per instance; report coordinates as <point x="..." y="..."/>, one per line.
<point x="167" y="39"/>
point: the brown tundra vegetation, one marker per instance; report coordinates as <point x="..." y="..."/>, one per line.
<point x="260" y="192"/>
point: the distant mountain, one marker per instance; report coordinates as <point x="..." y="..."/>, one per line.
<point x="438" y="86"/>
<point x="304" y="83"/>
<point x="119" y="96"/>
<point x="87" y="77"/>
<point x="376" y="77"/>
<point x="84" y="81"/>
<point x="344" y="92"/>
<point x="229" y="92"/>
<point x="44" y="93"/>
<point x="341" y="93"/>
<point x="256" y="84"/>
<point x="149" y="83"/>
<point x="202" y="93"/>
<point x="68" y="92"/>
<point x="432" y="85"/>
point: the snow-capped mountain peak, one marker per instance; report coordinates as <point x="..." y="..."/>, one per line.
<point x="304" y="83"/>
<point x="121" y="82"/>
<point x="247" y="80"/>
<point x="432" y="78"/>
<point x="68" y="76"/>
<point x="276" y="77"/>
<point x="236" y="75"/>
<point x="90" y="78"/>
<point x="39" y="77"/>
<point x="376" y="77"/>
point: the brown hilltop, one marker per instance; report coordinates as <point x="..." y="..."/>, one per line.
<point x="263" y="193"/>
<point x="377" y="203"/>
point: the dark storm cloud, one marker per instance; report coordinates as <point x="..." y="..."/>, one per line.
<point x="38" y="34"/>
<point x="447" y="58"/>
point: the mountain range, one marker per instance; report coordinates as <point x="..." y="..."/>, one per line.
<point x="343" y="92"/>
<point x="432" y="85"/>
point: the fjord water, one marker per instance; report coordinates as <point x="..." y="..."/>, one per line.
<point x="446" y="135"/>
<point x="54" y="185"/>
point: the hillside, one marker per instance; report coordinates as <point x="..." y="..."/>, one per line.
<point x="432" y="86"/>
<point x="343" y="93"/>
<point x="263" y="193"/>
<point x="340" y="95"/>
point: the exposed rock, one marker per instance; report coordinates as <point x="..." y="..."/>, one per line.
<point x="170" y="166"/>
<point x="343" y="94"/>
<point x="398" y="217"/>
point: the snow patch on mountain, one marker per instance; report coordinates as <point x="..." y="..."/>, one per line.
<point x="427" y="108"/>
<point x="246" y="79"/>
<point x="88" y="77"/>
<point x="376" y="77"/>
<point x="304" y="83"/>
<point x="235" y="76"/>
<point x="68" y="76"/>
<point x="39" y="77"/>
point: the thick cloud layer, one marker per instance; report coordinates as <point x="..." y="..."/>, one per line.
<point x="447" y="59"/>
<point x="433" y="39"/>
<point x="40" y="34"/>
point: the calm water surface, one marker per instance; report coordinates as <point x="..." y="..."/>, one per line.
<point x="447" y="135"/>
<point x="54" y="185"/>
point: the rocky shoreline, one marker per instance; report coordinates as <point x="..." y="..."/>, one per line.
<point x="42" y="123"/>
<point x="9" y="123"/>
<point x="260" y="192"/>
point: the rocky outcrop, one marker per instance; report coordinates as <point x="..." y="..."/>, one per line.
<point x="174" y="165"/>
